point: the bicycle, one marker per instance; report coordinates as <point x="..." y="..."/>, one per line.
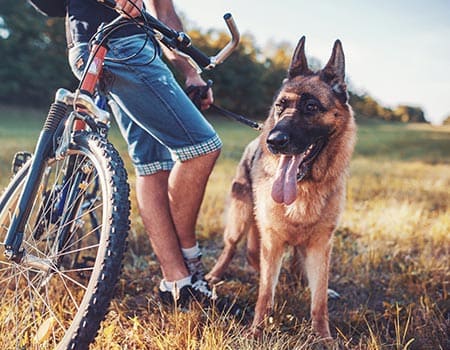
<point x="64" y="217"/>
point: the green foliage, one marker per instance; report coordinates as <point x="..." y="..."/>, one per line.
<point x="366" y="106"/>
<point x="410" y="114"/>
<point x="34" y="59"/>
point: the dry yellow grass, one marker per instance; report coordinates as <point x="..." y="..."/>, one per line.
<point x="390" y="262"/>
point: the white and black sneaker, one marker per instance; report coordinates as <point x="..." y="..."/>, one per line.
<point x="197" y="290"/>
<point x="201" y="294"/>
<point x="178" y="298"/>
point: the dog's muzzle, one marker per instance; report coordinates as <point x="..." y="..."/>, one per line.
<point x="293" y="165"/>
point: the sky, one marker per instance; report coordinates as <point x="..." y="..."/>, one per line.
<point x="397" y="51"/>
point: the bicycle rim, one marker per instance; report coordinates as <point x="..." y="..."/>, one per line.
<point x="74" y="238"/>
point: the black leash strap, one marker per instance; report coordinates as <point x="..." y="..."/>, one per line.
<point x="237" y="117"/>
<point x="197" y="93"/>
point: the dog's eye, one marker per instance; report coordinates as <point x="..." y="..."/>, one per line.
<point x="311" y="106"/>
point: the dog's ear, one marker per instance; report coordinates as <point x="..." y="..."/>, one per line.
<point x="299" y="64"/>
<point x="334" y="72"/>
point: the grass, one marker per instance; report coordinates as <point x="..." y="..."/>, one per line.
<point x="390" y="261"/>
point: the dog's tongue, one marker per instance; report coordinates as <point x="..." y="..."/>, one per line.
<point x="284" y="189"/>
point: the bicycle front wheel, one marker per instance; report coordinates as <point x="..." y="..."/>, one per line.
<point x="57" y="294"/>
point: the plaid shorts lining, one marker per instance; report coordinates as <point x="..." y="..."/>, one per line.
<point x="152" y="168"/>
<point x="189" y="152"/>
<point x="182" y="154"/>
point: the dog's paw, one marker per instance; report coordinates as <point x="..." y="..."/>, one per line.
<point x="212" y="280"/>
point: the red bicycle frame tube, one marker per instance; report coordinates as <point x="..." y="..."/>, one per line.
<point x="94" y="70"/>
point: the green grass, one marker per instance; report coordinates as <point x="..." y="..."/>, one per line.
<point x="403" y="142"/>
<point x="390" y="261"/>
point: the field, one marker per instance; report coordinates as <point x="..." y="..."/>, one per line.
<point x="390" y="264"/>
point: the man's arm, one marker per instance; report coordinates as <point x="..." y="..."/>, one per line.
<point x="164" y="10"/>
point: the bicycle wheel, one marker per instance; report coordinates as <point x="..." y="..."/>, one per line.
<point x="74" y="240"/>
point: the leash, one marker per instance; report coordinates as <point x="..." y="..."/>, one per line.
<point x="197" y="93"/>
<point x="239" y="118"/>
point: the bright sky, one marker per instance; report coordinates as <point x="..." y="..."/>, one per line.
<point x="396" y="50"/>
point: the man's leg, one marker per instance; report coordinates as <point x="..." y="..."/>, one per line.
<point x="187" y="184"/>
<point x="153" y="201"/>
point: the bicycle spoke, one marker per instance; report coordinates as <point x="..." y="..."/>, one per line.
<point x="63" y="278"/>
<point x="45" y="303"/>
<point x="74" y="281"/>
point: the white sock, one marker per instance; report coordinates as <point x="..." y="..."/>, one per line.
<point x="166" y="286"/>
<point x="191" y="253"/>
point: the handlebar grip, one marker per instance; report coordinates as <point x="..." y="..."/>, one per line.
<point x="198" y="56"/>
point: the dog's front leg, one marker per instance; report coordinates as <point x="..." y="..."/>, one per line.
<point x="270" y="266"/>
<point x="316" y="266"/>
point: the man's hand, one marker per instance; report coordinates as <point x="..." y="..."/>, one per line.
<point x="130" y="8"/>
<point x="196" y="80"/>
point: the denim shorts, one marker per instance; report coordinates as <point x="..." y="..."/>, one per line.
<point x="157" y="119"/>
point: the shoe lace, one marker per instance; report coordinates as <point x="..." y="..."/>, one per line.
<point x="201" y="286"/>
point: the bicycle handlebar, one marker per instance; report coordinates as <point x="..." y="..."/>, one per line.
<point x="232" y="44"/>
<point x="180" y="41"/>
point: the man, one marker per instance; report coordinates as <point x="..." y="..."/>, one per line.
<point x="160" y="124"/>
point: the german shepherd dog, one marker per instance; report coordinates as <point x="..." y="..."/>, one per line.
<point x="289" y="187"/>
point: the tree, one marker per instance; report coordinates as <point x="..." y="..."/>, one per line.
<point x="366" y="106"/>
<point x="409" y="114"/>
<point x="34" y="58"/>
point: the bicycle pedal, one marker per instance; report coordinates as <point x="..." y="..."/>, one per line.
<point x="20" y="158"/>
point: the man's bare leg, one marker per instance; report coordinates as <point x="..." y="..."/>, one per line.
<point x="153" y="201"/>
<point x="187" y="184"/>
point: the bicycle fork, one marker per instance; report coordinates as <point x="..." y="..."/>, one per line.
<point x="44" y="145"/>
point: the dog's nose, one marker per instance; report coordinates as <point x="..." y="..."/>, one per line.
<point x="278" y="140"/>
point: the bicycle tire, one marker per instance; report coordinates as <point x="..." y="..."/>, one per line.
<point x="58" y="300"/>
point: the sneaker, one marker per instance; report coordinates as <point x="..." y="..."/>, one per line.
<point x="195" y="268"/>
<point x="178" y="297"/>
<point x="200" y="293"/>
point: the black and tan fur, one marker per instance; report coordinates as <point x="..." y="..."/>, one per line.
<point x="310" y="125"/>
